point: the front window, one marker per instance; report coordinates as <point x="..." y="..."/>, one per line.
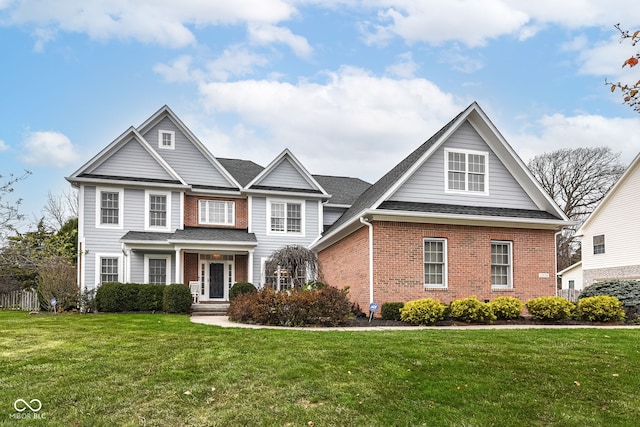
<point x="158" y="271"/>
<point x="501" y="264"/>
<point x="286" y="217"/>
<point x="466" y="171"/>
<point x="108" y="270"/>
<point x="435" y="263"/>
<point x="216" y="212"/>
<point x="109" y="207"/>
<point x="598" y="244"/>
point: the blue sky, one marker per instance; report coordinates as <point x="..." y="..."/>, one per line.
<point x="350" y="87"/>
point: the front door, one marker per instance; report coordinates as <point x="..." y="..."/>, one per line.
<point x="216" y="280"/>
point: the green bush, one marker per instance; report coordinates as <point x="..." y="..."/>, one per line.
<point x="114" y="297"/>
<point x="426" y="311"/>
<point x="627" y="291"/>
<point x="550" y="308"/>
<point x="177" y="298"/>
<point x="391" y="310"/>
<point x="471" y="310"/>
<point x="328" y="306"/>
<point x="239" y="288"/>
<point x="150" y="297"/>
<point x="601" y="308"/>
<point x="506" y="308"/>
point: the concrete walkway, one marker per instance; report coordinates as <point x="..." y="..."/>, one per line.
<point x="223" y="321"/>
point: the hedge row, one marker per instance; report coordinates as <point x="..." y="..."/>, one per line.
<point x="116" y="297"/>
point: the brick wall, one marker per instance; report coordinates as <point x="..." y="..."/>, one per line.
<point x="190" y="267"/>
<point x="191" y="212"/>
<point x="241" y="264"/>
<point x="399" y="264"/>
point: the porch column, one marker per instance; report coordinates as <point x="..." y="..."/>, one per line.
<point x="250" y="267"/>
<point x="178" y="266"/>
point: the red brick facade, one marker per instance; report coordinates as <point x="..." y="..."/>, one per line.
<point x="241" y="268"/>
<point x="190" y="267"/>
<point x="399" y="262"/>
<point x="191" y="212"/>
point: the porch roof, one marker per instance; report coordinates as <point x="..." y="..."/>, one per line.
<point x="192" y="234"/>
<point x="466" y="210"/>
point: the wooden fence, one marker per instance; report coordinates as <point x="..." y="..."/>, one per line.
<point x="25" y="300"/>
<point x="570" y="294"/>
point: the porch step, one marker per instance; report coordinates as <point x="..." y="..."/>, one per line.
<point x="218" y="309"/>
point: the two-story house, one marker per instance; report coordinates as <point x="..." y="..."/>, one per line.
<point x="155" y="206"/>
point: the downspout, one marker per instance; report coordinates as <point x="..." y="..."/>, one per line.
<point x="366" y="222"/>
<point x="555" y="252"/>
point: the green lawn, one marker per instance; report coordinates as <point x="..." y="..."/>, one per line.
<point x="91" y="370"/>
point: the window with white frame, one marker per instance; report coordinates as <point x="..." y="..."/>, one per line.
<point x="285" y="217"/>
<point x="109" y="269"/>
<point x="466" y="171"/>
<point x="216" y="212"/>
<point x="598" y="244"/>
<point x="157" y="269"/>
<point x="435" y="263"/>
<point x="501" y="264"/>
<point x="166" y="139"/>
<point x="157" y="210"/>
<point x="109" y="207"/>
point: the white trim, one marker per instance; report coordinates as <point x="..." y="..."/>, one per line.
<point x="172" y="142"/>
<point x="250" y="267"/>
<point x="466" y="153"/>
<point x="302" y="204"/>
<point x="509" y="284"/>
<point x="147" y="207"/>
<point x="167" y="259"/>
<point x="320" y="219"/>
<point x="98" y="266"/>
<point x="120" y="191"/>
<point x="181" y="196"/>
<point x="249" y="214"/>
<point x="445" y="267"/>
<point x="229" y="221"/>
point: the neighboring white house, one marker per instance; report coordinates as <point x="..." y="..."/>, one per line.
<point x="571" y="277"/>
<point x="611" y="234"/>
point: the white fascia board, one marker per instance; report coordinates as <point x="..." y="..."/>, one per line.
<point x="128" y="183"/>
<point x="284" y="194"/>
<point x="342" y="231"/>
<point x="216" y="246"/>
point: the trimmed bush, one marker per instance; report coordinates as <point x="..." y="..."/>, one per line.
<point x="114" y="297"/>
<point x="550" y="308"/>
<point x="150" y="297"/>
<point x="177" y="298"/>
<point x="328" y="306"/>
<point x="601" y="308"/>
<point x="391" y="310"/>
<point x="627" y="291"/>
<point x="426" y="311"/>
<point x="240" y="288"/>
<point x="471" y="310"/>
<point x="506" y="308"/>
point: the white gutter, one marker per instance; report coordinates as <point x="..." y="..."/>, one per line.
<point x="366" y="222"/>
<point x="555" y="258"/>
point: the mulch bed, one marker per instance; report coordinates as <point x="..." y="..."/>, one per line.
<point x="376" y="321"/>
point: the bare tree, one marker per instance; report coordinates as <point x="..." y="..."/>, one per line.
<point x="577" y="179"/>
<point x="9" y="210"/>
<point x="60" y="208"/>
<point x="291" y="267"/>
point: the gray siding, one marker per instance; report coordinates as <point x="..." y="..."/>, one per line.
<point x="132" y="160"/>
<point x="137" y="266"/>
<point x="427" y="185"/>
<point x="331" y="215"/>
<point x="186" y="159"/>
<point x="269" y="243"/>
<point x="287" y="176"/>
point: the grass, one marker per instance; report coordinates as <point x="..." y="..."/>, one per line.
<point x="162" y="370"/>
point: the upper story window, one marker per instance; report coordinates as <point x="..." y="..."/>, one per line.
<point x="166" y="139"/>
<point x="109" y="207"/>
<point x="285" y="217"/>
<point x="216" y="212"/>
<point x="501" y="265"/>
<point x="157" y="210"/>
<point x="598" y="244"/>
<point x="466" y="171"/>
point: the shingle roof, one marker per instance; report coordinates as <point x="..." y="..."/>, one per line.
<point x="148" y="236"/>
<point x="343" y="190"/>
<point x="196" y="234"/>
<point x="242" y="170"/>
<point x="465" y="210"/>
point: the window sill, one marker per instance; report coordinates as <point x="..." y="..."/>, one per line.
<point x="496" y="289"/>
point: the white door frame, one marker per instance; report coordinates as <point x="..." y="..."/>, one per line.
<point x="203" y="278"/>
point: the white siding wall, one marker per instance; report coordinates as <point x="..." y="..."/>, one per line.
<point x="427" y="185"/>
<point x="287" y="176"/>
<point x="574" y="274"/>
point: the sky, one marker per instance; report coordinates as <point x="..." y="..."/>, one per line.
<point x="351" y="87"/>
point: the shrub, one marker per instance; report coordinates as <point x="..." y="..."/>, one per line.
<point x="426" y="311"/>
<point x="506" y="308"/>
<point x="239" y="288"/>
<point x="328" y="306"/>
<point x="471" y="310"/>
<point x="177" y="298"/>
<point x="602" y="308"/>
<point x="114" y="297"/>
<point x="150" y="297"/>
<point x="627" y="291"/>
<point x="391" y="310"/>
<point x="550" y="308"/>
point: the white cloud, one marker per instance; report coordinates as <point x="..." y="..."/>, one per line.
<point x="49" y="148"/>
<point x="354" y="123"/>
<point x="560" y="131"/>
<point x="461" y="62"/>
<point x="269" y="34"/>
<point x="3" y="146"/>
<point x="235" y="61"/>
<point x="405" y="68"/>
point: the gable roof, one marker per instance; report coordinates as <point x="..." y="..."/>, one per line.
<point x="344" y="190"/>
<point x="371" y="201"/>
<point x="635" y="164"/>
<point x="242" y="170"/>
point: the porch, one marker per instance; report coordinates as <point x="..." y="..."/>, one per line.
<point x="209" y="308"/>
